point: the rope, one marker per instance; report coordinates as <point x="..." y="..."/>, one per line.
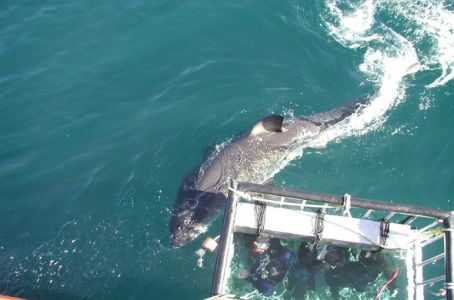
<point x="261" y="243"/>
<point x="318" y="228"/>
<point x="384" y="231"/>
<point x="260" y="217"/>
<point x="346" y="205"/>
<point x="387" y="283"/>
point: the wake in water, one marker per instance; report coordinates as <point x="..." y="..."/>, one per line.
<point x="392" y="29"/>
<point x="388" y="57"/>
<point x="395" y="39"/>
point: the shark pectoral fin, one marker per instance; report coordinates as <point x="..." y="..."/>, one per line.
<point x="271" y="123"/>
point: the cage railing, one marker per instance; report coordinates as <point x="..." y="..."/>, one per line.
<point x="357" y="207"/>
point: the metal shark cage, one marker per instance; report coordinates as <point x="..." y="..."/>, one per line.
<point x="351" y="222"/>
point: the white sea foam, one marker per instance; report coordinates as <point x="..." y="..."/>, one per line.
<point x="430" y="24"/>
<point x="388" y="56"/>
<point x="351" y="26"/>
<point x="427" y="24"/>
<point x="425" y="41"/>
<point x="418" y="36"/>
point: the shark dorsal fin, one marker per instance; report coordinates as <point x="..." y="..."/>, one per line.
<point x="271" y="123"/>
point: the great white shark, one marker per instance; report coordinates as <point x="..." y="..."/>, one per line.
<point x="253" y="157"/>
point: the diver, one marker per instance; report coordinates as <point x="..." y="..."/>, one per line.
<point x="271" y="263"/>
<point x="322" y="258"/>
<point x="314" y="262"/>
<point x="357" y="274"/>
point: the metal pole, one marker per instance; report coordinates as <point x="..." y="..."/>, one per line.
<point x="449" y="252"/>
<point x="333" y="199"/>
<point x="222" y="260"/>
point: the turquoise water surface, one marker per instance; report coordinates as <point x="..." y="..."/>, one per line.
<point x="106" y="106"/>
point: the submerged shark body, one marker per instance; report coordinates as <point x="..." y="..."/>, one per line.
<point x="254" y="157"/>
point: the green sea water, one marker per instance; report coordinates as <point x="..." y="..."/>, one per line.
<point x="106" y="106"/>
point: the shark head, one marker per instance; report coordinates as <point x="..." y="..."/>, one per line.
<point x="184" y="229"/>
<point x="193" y="211"/>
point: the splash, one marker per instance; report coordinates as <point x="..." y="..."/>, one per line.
<point x="427" y="25"/>
<point x="399" y="38"/>
<point x="395" y="39"/>
<point x="350" y="26"/>
<point x="430" y="25"/>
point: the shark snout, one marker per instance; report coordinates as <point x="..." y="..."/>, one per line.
<point x="186" y="233"/>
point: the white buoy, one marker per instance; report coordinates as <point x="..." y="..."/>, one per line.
<point x="209" y="244"/>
